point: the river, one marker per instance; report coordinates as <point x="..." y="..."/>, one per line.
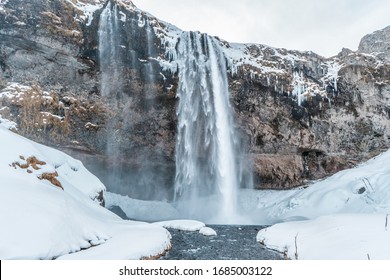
<point x="231" y="243"/>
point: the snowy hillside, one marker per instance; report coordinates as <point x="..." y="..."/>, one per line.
<point x="334" y="237"/>
<point x="47" y="209"/>
<point x="343" y="217"/>
<point x="364" y="189"/>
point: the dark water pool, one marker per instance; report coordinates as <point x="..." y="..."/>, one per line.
<point x="231" y="243"/>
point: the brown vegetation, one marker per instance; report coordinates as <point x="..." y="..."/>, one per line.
<point x="51" y="177"/>
<point x="35" y="164"/>
<point x="31" y="161"/>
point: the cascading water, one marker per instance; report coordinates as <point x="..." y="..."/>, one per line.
<point x="111" y="82"/>
<point x="127" y="76"/>
<point x="149" y="37"/>
<point x="149" y="45"/>
<point x="207" y="156"/>
<point x="208" y="159"/>
<point x="109" y="56"/>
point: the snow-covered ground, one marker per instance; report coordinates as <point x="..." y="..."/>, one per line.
<point x="343" y="236"/>
<point x="341" y="217"/>
<point x="363" y="189"/>
<point x="42" y="221"/>
<point x="142" y="210"/>
<point x="345" y="216"/>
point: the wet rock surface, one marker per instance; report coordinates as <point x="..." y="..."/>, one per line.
<point x="231" y="243"/>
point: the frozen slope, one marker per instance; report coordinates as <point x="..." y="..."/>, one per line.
<point x="363" y="189"/>
<point x="41" y="221"/>
<point x="346" y="216"/>
<point x="334" y="237"/>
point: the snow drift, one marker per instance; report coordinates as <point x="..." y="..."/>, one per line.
<point x="42" y="221"/>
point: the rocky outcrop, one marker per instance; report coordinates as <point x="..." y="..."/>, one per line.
<point x="300" y="116"/>
<point x="315" y="117"/>
<point x="377" y="43"/>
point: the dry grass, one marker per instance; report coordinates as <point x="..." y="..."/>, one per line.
<point x="32" y="116"/>
<point x="36" y="164"/>
<point x="63" y="24"/>
<point x="31" y="161"/>
<point x="51" y="117"/>
<point x="51" y="177"/>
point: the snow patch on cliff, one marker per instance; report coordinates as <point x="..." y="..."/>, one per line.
<point x="88" y="9"/>
<point x="2" y="4"/>
<point x="303" y="88"/>
<point x="169" y="36"/>
<point x="16" y="93"/>
<point x="239" y="55"/>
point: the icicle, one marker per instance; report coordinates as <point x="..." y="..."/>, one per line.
<point x="299" y="87"/>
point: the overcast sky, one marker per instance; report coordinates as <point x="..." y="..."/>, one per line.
<point x="322" y="26"/>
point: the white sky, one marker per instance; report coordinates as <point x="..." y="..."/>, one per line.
<point x="322" y="26"/>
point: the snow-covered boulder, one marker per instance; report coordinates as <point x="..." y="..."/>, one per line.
<point x="187" y="225"/>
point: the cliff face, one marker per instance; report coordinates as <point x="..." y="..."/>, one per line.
<point x="316" y="116"/>
<point x="377" y="43"/>
<point x="300" y="116"/>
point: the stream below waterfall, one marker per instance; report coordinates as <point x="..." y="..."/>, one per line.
<point x="232" y="242"/>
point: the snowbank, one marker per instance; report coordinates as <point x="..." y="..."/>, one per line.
<point x="16" y="149"/>
<point x="348" y="236"/>
<point x="7" y="123"/>
<point x="42" y="221"/>
<point x="142" y="210"/>
<point x="364" y="189"/>
<point x="344" y="216"/>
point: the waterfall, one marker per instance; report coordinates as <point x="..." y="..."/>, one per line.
<point x="109" y="53"/>
<point x="149" y="40"/>
<point x="149" y="37"/>
<point x="207" y="152"/>
<point x="111" y="82"/>
<point x="208" y="158"/>
<point x="149" y="66"/>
